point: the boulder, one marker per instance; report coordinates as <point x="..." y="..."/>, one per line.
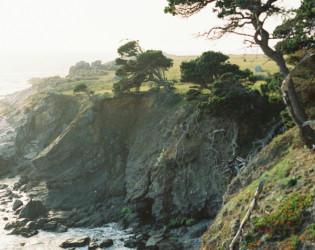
<point x="24" y="231"/>
<point x="93" y="245"/>
<point x="27" y="232"/>
<point x="30" y="225"/>
<point x="22" y="221"/>
<point x="10" y="225"/>
<point x="154" y="241"/>
<point x="50" y="226"/>
<point x="106" y="243"/>
<point x="130" y="243"/>
<point x="76" y="242"/>
<point x="40" y="222"/>
<point x="60" y="216"/>
<point x="17" y="204"/>
<point x="33" y="210"/>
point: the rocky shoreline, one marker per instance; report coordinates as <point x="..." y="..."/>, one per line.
<point x="31" y="216"/>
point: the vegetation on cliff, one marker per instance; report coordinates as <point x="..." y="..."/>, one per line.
<point x="253" y="15"/>
<point x="283" y="219"/>
<point x="207" y="68"/>
<point x="138" y="66"/>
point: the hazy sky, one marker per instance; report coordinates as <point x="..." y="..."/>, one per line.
<point x="98" y="26"/>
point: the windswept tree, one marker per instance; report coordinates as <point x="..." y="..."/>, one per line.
<point x="81" y="87"/>
<point x="248" y="18"/>
<point x="138" y="66"/>
<point x="207" y="68"/>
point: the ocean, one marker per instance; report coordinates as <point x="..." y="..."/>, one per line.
<point x="17" y="69"/>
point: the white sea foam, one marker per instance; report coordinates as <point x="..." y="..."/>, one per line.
<point x="50" y="240"/>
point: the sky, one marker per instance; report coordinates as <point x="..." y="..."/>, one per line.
<point x="100" y="27"/>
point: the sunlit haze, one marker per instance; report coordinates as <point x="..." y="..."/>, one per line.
<point x="97" y="27"/>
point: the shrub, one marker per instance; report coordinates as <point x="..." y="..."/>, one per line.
<point x="287" y="219"/>
<point x="230" y="98"/>
<point x="292" y="242"/>
<point x="173" y="222"/>
<point x="190" y="222"/>
<point x="126" y="211"/>
<point x="80" y="87"/>
<point x="309" y="233"/>
<point x="287" y="120"/>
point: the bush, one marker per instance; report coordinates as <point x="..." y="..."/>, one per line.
<point x="288" y="218"/>
<point x="291" y="182"/>
<point x="126" y="211"/>
<point x="284" y="223"/>
<point x="230" y="98"/>
<point x="287" y="120"/>
<point x="190" y="222"/>
<point x="80" y="87"/>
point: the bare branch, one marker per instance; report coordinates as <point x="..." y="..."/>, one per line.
<point x="248" y="214"/>
<point x="308" y="123"/>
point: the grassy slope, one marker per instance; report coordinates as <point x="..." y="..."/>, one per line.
<point x="289" y="170"/>
<point x="104" y="83"/>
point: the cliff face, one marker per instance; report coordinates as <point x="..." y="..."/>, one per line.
<point x="150" y="153"/>
<point x="28" y="123"/>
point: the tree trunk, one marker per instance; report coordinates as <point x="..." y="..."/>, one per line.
<point x="161" y="80"/>
<point x="290" y="97"/>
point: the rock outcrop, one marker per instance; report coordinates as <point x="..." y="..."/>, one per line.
<point x="132" y="152"/>
<point x="28" y="123"/>
<point x="152" y="154"/>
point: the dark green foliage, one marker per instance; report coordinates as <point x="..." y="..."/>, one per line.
<point x="80" y="87"/>
<point x="125" y="212"/>
<point x="209" y="67"/>
<point x="248" y="18"/>
<point x="138" y="66"/>
<point x="178" y="222"/>
<point x="273" y="85"/>
<point x="130" y="49"/>
<point x="272" y="89"/>
<point x="287" y="120"/>
<point x="231" y="99"/>
<point x="298" y="32"/>
<point x="190" y="222"/>
<point x="291" y="182"/>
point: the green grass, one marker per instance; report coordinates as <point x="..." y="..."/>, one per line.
<point x="284" y="205"/>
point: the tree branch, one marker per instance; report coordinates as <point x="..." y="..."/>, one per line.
<point x="247" y="216"/>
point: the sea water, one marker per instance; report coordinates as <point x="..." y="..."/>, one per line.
<point x="17" y="69"/>
<point x="50" y="240"/>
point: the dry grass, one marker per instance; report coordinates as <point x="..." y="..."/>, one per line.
<point x="104" y="83"/>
